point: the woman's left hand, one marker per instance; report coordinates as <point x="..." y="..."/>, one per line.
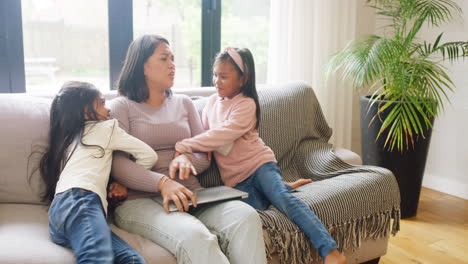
<point x="184" y="165"/>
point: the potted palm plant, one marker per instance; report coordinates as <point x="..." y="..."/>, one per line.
<point x="408" y="84"/>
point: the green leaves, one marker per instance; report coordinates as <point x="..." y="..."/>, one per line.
<point x="407" y="74"/>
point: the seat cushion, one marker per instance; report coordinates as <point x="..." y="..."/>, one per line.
<point x="24" y="238"/>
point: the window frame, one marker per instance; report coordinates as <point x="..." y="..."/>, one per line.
<point x="12" y="76"/>
<point x="211" y="38"/>
<point x="120" y="28"/>
<point x="120" y="13"/>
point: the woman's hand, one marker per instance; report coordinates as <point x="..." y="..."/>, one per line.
<point x="183" y="164"/>
<point x="176" y="192"/>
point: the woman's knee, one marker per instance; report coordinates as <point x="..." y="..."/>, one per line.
<point x="246" y="216"/>
<point x="200" y="234"/>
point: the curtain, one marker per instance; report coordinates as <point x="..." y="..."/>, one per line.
<point x="303" y="36"/>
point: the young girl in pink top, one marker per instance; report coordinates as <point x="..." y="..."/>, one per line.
<point x="231" y="118"/>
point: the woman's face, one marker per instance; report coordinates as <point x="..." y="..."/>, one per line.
<point x="159" y="69"/>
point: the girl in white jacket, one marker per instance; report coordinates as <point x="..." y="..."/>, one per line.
<point x="76" y="169"/>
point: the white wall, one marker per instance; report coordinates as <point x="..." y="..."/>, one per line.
<point x="365" y="24"/>
<point x="447" y="163"/>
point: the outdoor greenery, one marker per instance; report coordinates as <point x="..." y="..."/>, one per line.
<point x="245" y="24"/>
<point x="52" y="29"/>
<point x="402" y="70"/>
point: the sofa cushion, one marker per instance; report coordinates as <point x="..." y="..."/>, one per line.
<point x="24" y="238"/>
<point x="24" y="120"/>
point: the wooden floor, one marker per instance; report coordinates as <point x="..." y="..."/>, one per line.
<point x="438" y="234"/>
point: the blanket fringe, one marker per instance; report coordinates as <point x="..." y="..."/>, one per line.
<point x="292" y="246"/>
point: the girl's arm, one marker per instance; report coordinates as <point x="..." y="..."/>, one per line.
<point x="199" y="159"/>
<point x="144" y="155"/>
<point x="241" y="120"/>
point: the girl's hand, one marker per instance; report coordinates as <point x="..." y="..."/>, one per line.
<point x="208" y="155"/>
<point x="117" y="194"/>
<point x="176" y="192"/>
<point x="183" y="164"/>
<point x="298" y="183"/>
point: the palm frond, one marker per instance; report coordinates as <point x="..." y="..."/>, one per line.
<point x="363" y="60"/>
<point x="437" y="12"/>
<point x="452" y="51"/>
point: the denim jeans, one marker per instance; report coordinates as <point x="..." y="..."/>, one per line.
<point x="222" y="233"/>
<point x="265" y="186"/>
<point x="77" y="221"/>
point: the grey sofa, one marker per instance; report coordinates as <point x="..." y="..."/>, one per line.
<point x="356" y="203"/>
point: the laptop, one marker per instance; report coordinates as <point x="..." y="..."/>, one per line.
<point x="209" y="195"/>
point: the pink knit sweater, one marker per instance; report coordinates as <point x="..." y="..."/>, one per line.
<point x="230" y="125"/>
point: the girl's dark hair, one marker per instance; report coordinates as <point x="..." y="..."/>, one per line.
<point x="248" y="89"/>
<point x="74" y="101"/>
<point x="132" y="83"/>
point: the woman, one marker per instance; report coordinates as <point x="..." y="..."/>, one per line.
<point x="228" y="232"/>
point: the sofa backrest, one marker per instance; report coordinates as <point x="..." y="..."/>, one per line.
<point x="290" y="114"/>
<point x="24" y="120"/>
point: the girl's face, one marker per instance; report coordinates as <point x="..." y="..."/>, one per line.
<point x="227" y="80"/>
<point x="103" y="113"/>
<point x="159" y="69"/>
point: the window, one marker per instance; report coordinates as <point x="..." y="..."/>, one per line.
<point x="52" y="41"/>
<point x="180" y="23"/>
<point x="245" y="24"/>
<point x="65" y="40"/>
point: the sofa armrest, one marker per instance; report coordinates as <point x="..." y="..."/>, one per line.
<point x="347" y="156"/>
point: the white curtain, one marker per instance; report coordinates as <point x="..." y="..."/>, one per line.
<point x="303" y="36"/>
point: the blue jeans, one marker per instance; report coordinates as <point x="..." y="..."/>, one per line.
<point x="265" y="186"/>
<point x="77" y="221"/>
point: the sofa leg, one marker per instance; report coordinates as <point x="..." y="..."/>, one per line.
<point x="372" y="261"/>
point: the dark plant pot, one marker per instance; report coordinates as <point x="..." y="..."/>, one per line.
<point x="408" y="167"/>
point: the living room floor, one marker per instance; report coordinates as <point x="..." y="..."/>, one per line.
<point x="438" y="234"/>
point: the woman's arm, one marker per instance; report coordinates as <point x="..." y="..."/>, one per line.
<point x="134" y="176"/>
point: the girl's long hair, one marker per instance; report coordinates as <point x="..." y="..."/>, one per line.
<point x="74" y="101"/>
<point x="248" y="89"/>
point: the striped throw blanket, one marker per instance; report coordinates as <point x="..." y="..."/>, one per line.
<point x="354" y="202"/>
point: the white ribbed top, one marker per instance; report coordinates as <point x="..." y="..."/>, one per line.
<point x="89" y="167"/>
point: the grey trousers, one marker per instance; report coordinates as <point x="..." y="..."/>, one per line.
<point x="227" y="232"/>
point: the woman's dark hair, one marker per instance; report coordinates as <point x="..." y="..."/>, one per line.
<point x="71" y="105"/>
<point x="132" y="83"/>
<point x="248" y="89"/>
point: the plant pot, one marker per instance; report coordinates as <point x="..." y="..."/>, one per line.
<point x="407" y="166"/>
